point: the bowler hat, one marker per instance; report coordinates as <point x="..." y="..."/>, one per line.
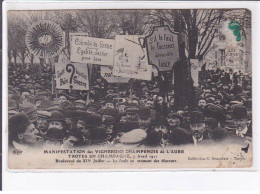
<point x="179" y="136"/>
<point x="45" y="104"/>
<point x="109" y="121"/>
<point x="56" y="116"/>
<point x="93" y="120"/>
<point x="109" y="111"/>
<point x="18" y="121"/>
<point x="196" y="117"/>
<point x="160" y="120"/>
<point x="98" y="135"/>
<point x="144" y="112"/>
<point x="81" y="115"/>
<point x="239" y="112"/>
<point x="215" y="112"/>
<point x="175" y="115"/>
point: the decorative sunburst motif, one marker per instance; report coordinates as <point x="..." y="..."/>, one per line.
<point x="45" y="39"/>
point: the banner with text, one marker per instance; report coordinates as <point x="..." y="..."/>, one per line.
<point x="107" y="74"/>
<point x="92" y="50"/>
<point x="130" y="59"/>
<point x="162" y="48"/>
<point x="72" y="76"/>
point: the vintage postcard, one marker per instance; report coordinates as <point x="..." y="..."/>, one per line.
<point x="129" y="89"/>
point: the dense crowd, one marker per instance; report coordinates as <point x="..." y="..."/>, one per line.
<point x="40" y="115"/>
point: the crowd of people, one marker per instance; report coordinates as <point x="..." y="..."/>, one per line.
<point x="114" y="114"/>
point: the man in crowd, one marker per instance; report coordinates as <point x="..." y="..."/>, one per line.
<point x="243" y="128"/>
<point x="42" y="121"/>
<point x="22" y="132"/>
<point x="56" y="131"/>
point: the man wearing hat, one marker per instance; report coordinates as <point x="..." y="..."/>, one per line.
<point x="240" y="118"/>
<point x="197" y="127"/>
<point x="144" y="119"/>
<point x="63" y="97"/>
<point x="159" y="130"/>
<point x="109" y="123"/>
<point x="93" y="107"/>
<point x="87" y="122"/>
<point x="98" y="136"/>
<point x="108" y="112"/>
<point x="42" y="121"/>
<point x="30" y="109"/>
<point x="22" y="132"/>
<point x="81" y="117"/>
<point x="56" y="131"/>
<point x="80" y="105"/>
<point x="176" y="134"/>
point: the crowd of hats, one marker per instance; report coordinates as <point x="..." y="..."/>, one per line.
<point x="227" y="95"/>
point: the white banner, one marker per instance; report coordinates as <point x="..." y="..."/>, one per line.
<point x="130" y="59"/>
<point x="162" y="47"/>
<point x="72" y="76"/>
<point x="107" y="74"/>
<point x="92" y="50"/>
<point x="195" y="71"/>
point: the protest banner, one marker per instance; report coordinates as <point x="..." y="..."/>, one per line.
<point x="130" y="59"/>
<point x="162" y="48"/>
<point x="194" y="64"/>
<point x="92" y="50"/>
<point x="73" y="76"/>
<point x="107" y="74"/>
<point x="45" y="39"/>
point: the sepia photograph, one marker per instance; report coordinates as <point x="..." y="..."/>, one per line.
<point x="129" y="89"/>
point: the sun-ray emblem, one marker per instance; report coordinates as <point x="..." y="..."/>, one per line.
<point x="45" y="39"/>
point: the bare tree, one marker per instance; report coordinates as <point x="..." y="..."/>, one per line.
<point x="96" y="23"/>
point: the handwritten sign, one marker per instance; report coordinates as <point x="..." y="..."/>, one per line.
<point x="107" y="74"/>
<point x="194" y="63"/>
<point x="72" y="76"/>
<point x="162" y="48"/>
<point x="130" y="58"/>
<point x="92" y="50"/>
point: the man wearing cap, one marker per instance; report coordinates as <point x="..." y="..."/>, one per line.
<point x="22" y="132"/>
<point x="239" y="116"/>
<point x="42" y="121"/>
<point x="93" y="107"/>
<point x="80" y="105"/>
<point x="63" y="97"/>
